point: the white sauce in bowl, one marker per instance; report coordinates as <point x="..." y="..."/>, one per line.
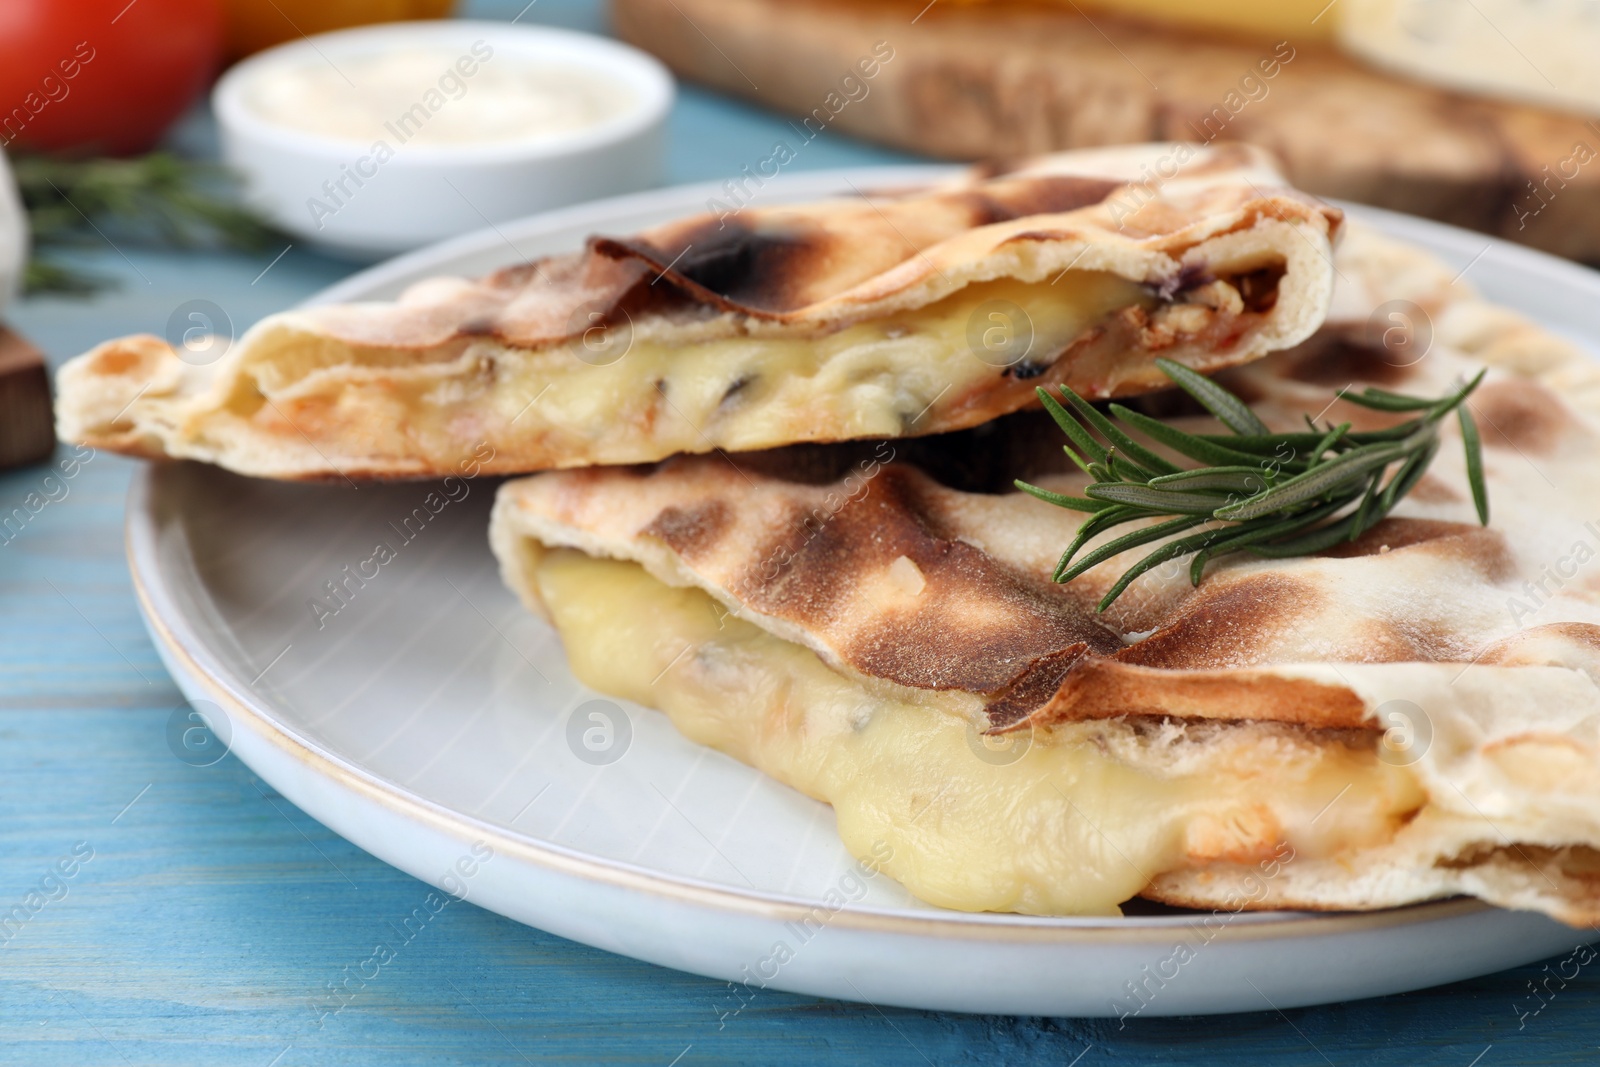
<point x="436" y="96"/>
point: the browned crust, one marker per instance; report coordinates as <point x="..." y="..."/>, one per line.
<point x="797" y="263"/>
<point x="1036" y="650"/>
<point x="937" y="641"/>
<point x="1106" y="689"/>
<point x="739" y="264"/>
<point x="1187" y="898"/>
<point x="1568" y="879"/>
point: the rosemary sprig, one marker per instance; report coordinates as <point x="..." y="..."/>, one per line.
<point x="1273" y="495"/>
<point x="158" y="200"/>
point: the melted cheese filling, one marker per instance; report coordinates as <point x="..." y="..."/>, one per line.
<point x="872" y="379"/>
<point x="1076" y="822"/>
<point x="610" y="396"/>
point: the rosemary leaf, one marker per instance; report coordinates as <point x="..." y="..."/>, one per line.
<point x="1230" y="539"/>
<point x="1408" y="476"/>
<point x="1323" y="537"/>
<point x="1228" y="479"/>
<point x="1161" y="501"/>
<point x="1474" y="446"/>
<point x="1073" y="428"/>
<point x="1315" y="482"/>
<point x="1061" y="500"/>
<point x="1299" y="445"/>
<point x="1454" y="400"/>
<point x="1124" y="468"/>
<point x="1218" y="451"/>
<point x="1077" y="460"/>
<point x="158" y="199"/>
<point x="1139" y="537"/>
<point x="1232" y="412"/>
<point x="1382" y="400"/>
<point x="1393" y="433"/>
<point x="1365" y="508"/>
<point x="1264" y="445"/>
<point x="1171" y="550"/>
<point x="1136" y="452"/>
<point x="1326" y="442"/>
<point x="1093" y="526"/>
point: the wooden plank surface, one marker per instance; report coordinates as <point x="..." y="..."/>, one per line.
<point x="1004" y="80"/>
<point x="211" y="910"/>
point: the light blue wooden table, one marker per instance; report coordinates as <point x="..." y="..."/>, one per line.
<point x="211" y="915"/>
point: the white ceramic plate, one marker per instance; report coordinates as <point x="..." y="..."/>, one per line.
<point x="433" y="722"/>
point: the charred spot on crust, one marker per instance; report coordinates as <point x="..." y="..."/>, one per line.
<point x="984" y="209"/>
<point x="1583" y="633"/>
<point x="689" y="531"/>
<point x="1040" y="195"/>
<point x="1226" y="625"/>
<point x="808" y="565"/>
<point x="1034" y="689"/>
<point x="743" y="265"/>
<point x="1431" y="489"/>
<point x="116" y="361"/>
<point x="1484" y="548"/>
<point x="1334" y="358"/>
<point x="975" y="625"/>
<point x="997" y="167"/>
<point x="732" y="263"/>
<point x="1101" y="688"/>
<point x="1519" y="414"/>
<point x="1393" y="534"/>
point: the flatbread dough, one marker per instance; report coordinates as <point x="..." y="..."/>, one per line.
<point x="890" y="314"/>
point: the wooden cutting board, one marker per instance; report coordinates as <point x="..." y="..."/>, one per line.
<point x="27" y="425"/>
<point x="967" y="83"/>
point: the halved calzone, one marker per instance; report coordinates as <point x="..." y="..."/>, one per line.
<point x="1412" y="715"/>
<point x="884" y="315"/>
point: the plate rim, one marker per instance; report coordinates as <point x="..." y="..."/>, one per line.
<point x="171" y="629"/>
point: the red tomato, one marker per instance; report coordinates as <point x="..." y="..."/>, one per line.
<point x="102" y="76"/>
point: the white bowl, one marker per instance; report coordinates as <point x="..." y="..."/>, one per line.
<point x="426" y="192"/>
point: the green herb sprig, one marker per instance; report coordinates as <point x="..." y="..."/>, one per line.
<point x="155" y="200"/>
<point x="1275" y="495"/>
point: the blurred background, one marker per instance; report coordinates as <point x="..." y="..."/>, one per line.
<point x="1475" y="112"/>
<point x="121" y="138"/>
